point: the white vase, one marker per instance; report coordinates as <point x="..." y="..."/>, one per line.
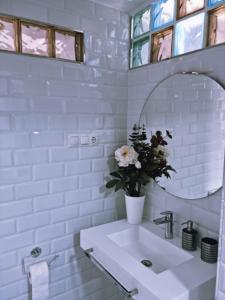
<point x="134" y="209"/>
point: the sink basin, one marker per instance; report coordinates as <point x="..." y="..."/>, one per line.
<point x="142" y="244"/>
<point x="171" y="273"/>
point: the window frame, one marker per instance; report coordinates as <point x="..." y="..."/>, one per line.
<point x="170" y="28"/>
<point x="178" y="18"/>
<point x="15" y="25"/>
<point x="18" y="22"/>
<point x="45" y="27"/>
<point x="205" y="45"/>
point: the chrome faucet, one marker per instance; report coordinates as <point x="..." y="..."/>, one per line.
<point x="168" y="220"/>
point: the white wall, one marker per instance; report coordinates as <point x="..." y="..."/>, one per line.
<point x="141" y="81"/>
<point x="49" y="192"/>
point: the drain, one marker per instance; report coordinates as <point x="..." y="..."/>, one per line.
<point x="147" y="263"/>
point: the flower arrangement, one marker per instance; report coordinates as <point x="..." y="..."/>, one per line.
<point x="140" y="162"/>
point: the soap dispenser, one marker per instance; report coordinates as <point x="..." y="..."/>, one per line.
<point x="189" y="236"/>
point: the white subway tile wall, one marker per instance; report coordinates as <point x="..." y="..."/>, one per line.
<point x="205" y="212"/>
<point x="48" y="191"/>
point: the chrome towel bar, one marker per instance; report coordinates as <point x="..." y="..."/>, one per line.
<point x="123" y="290"/>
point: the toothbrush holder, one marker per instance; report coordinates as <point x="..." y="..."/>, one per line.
<point x="209" y="250"/>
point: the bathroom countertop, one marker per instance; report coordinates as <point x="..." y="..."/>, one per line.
<point x="191" y="280"/>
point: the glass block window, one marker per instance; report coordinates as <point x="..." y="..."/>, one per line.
<point x="217" y="27"/>
<point x="215" y="2"/>
<point x="162" y="13"/>
<point x="168" y="28"/>
<point x="186" y="7"/>
<point x="65" y="45"/>
<point x="162" y="45"/>
<point x="141" y="22"/>
<point x="35" y="39"/>
<point x="189" y="34"/>
<point x="39" y="39"/>
<point x="141" y="52"/>
<point x="7" y="35"/>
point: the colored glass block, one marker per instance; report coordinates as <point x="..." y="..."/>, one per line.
<point x="7" y="35"/>
<point x="141" y="52"/>
<point x="189" y="34"/>
<point x="162" y="45"/>
<point x="34" y="40"/>
<point x="65" y="46"/>
<point x="141" y="23"/>
<point x="214" y="2"/>
<point x="217" y="27"/>
<point x="162" y="13"/>
<point x="186" y="7"/>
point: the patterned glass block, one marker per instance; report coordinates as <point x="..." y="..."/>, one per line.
<point x="162" y="45"/>
<point x="214" y="2"/>
<point x="141" y="22"/>
<point x="186" y="7"/>
<point x="65" y="46"/>
<point x="189" y="34"/>
<point x="217" y="27"/>
<point x="141" y="52"/>
<point x="162" y="13"/>
<point x="7" y="35"/>
<point x="35" y="39"/>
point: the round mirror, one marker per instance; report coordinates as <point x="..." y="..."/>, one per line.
<point x="192" y="108"/>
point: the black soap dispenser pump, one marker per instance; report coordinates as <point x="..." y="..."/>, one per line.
<point x="189" y="236"/>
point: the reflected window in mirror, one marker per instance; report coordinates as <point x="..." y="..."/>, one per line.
<point x="140" y="53"/>
<point x="7" y="34"/>
<point x="162" y="45"/>
<point x="141" y="23"/>
<point x="186" y="7"/>
<point x="217" y="26"/>
<point x="189" y="34"/>
<point x="162" y="13"/>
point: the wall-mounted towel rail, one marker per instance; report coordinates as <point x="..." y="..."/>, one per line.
<point x="124" y="291"/>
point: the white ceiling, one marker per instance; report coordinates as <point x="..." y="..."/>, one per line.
<point x="122" y="5"/>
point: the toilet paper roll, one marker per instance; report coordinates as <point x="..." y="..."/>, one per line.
<point x="39" y="280"/>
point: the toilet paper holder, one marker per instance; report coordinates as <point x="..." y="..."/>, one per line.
<point x="35" y="253"/>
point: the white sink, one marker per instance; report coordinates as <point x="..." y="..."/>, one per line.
<point x="142" y="244"/>
<point x="175" y="274"/>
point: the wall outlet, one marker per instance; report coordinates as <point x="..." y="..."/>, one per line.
<point x="75" y="141"/>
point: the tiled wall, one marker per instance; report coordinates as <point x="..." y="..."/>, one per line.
<point x="220" y="289"/>
<point x="48" y="191"/>
<point x="205" y="212"/>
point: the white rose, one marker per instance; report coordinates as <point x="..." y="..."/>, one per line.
<point x="161" y="152"/>
<point x="126" y="156"/>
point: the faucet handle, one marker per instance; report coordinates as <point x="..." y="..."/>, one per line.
<point x="167" y="213"/>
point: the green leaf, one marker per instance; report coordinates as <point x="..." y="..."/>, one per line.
<point x="169" y="134"/>
<point x="111" y="183"/>
<point x="116" y="174"/>
<point x="119" y="186"/>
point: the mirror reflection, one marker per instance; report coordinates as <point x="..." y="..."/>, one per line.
<point x="191" y="107"/>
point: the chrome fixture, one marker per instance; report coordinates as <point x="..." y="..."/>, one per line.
<point x="34" y="254"/>
<point x="168" y="220"/>
<point x="123" y="290"/>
